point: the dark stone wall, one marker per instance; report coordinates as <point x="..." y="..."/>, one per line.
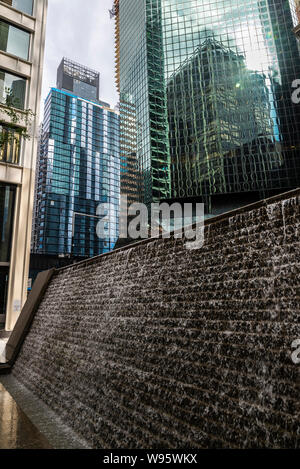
<point x="158" y="346"/>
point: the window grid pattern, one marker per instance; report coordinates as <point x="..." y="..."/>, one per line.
<point x="79" y="169"/>
<point x="142" y="81"/>
<point x="229" y="71"/>
<point x="222" y="73"/>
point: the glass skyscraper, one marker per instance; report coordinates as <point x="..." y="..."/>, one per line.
<point x="129" y="172"/>
<point x="211" y="81"/>
<point x="79" y="168"/>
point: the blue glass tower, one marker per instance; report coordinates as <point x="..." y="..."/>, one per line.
<point x="79" y="167"/>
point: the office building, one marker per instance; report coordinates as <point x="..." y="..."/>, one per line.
<point x="211" y="83"/>
<point x="79" y="168"/>
<point x="22" y="38"/>
<point x="217" y="130"/>
<point x="129" y="169"/>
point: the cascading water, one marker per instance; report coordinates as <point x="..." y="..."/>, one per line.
<point x="159" y="346"/>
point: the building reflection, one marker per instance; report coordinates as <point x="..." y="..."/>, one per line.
<point x="233" y="127"/>
<point x="221" y="132"/>
<point x="216" y="77"/>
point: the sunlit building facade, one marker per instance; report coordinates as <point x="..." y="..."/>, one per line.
<point x="79" y="168"/>
<point x="212" y="83"/>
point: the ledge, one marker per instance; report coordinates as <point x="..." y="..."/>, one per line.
<point x="7" y="120"/>
<point x="12" y="174"/>
<point x="25" y="319"/>
<point x="15" y="65"/>
<point x="17" y="17"/>
<point x="209" y="222"/>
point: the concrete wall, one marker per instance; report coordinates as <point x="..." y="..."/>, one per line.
<point x="157" y="346"/>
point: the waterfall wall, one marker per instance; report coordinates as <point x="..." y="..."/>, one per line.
<point x="158" y="346"/>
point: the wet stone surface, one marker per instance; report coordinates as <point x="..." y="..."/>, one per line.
<point x="16" y="430"/>
<point x="161" y="347"/>
<point x="48" y="423"/>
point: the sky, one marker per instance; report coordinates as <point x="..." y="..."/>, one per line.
<point x="81" y="30"/>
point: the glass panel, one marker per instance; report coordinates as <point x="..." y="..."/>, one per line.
<point x="7" y="205"/>
<point x="79" y="169"/>
<point x="4" y="31"/>
<point x="12" y="85"/>
<point x="3" y="294"/>
<point x="23" y="5"/>
<point x="9" y="145"/>
<point x="211" y="82"/>
<point x="229" y="68"/>
<point x="14" y="40"/>
<point x="85" y="90"/>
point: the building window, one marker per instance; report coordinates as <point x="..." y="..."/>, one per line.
<point x="4" y="272"/>
<point x="7" y="206"/>
<point x="14" y="40"/>
<point x="12" y="89"/>
<point x="9" y="144"/>
<point x="26" y="6"/>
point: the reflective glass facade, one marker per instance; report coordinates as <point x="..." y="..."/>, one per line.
<point x="4" y="272"/>
<point x="216" y="77"/>
<point x="14" y="40"/>
<point x="129" y="169"/>
<point x="142" y="80"/>
<point x="13" y="85"/>
<point x="79" y="169"/>
<point x="10" y="144"/>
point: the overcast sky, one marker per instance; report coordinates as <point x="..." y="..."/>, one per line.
<point x="82" y="31"/>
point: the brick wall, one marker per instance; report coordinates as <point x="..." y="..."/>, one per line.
<point x="158" y="346"/>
